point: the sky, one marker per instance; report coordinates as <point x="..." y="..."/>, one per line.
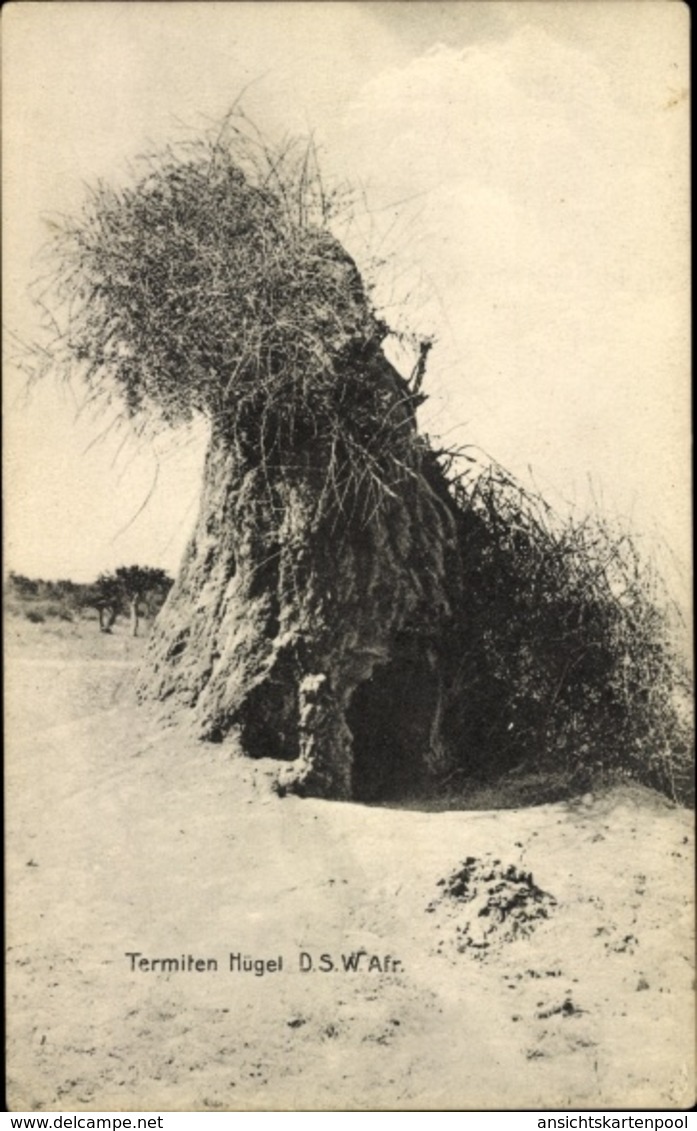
<point x="524" y="172"/>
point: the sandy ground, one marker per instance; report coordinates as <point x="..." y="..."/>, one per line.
<point x="555" y="972"/>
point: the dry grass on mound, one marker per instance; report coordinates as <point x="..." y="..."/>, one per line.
<point x="573" y="660"/>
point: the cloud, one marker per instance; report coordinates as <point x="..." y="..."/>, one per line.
<point x="548" y="221"/>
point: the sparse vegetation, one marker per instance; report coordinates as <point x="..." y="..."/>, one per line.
<point x="133" y="589"/>
<point x="39" y="600"/>
<point x="109" y="597"/>
<point x="573" y="656"/>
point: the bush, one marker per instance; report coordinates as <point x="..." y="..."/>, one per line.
<point x="38" y="599"/>
<point x="569" y="655"/>
<point x="40" y="611"/>
<point x="213" y="285"/>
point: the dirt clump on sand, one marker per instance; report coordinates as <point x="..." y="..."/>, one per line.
<point x="491" y="904"/>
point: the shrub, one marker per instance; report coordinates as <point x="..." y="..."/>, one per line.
<point x="213" y="285"/>
<point x="570" y="654"/>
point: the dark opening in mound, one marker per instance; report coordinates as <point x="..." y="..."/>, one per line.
<point x="269" y="722"/>
<point x="391" y="718"/>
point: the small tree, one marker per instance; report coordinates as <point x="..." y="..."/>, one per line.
<point x="130" y="589"/>
<point x="137" y="584"/>
<point x="24" y="587"/>
<point x="106" y="596"/>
